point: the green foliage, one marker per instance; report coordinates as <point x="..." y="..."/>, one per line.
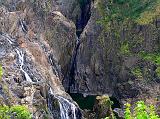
<point x="153" y="57"/>
<point x="16" y="112"/>
<point x="158" y="71"/>
<point x="124" y="49"/>
<point x="124" y="11"/>
<point x="149" y="15"/>
<point x="1" y="71"/>
<point x="137" y="72"/>
<point x="127" y="113"/>
<point x="141" y="111"/>
<point x="107" y="118"/>
<point x="104" y="101"/>
<point x="152" y="114"/>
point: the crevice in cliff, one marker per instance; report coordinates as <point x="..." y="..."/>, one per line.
<point x="85" y="6"/>
<point x="69" y="80"/>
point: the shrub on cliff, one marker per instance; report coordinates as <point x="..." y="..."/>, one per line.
<point x="1" y="72"/>
<point x="141" y="111"/>
<point x="14" y="112"/>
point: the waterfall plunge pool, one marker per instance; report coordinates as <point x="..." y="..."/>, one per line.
<point x="84" y="102"/>
<point x="89" y="101"/>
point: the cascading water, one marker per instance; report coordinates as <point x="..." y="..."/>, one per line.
<point x="21" y="61"/>
<point x="68" y="110"/>
<point x="71" y="74"/>
<point x="20" y="55"/>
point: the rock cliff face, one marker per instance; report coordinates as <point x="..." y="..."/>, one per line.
<point x="46" y="42"/>
<point x="103" y="67"/>
<point x="34" y="41"/>
<point x="70" y="8"/>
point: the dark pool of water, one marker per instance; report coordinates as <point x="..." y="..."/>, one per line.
<point x="89" y="101"/>
<point x="84" y="102"/>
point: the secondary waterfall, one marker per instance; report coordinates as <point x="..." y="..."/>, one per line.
<point x="69" y="80"/>
<point x="20" y="57"/>
<point x="68" y="110"/>
<point x="21" y="61"/>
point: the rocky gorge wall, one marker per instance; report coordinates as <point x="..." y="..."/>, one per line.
<point x="56" y="34"/>
<point x="116" y="64"/>
<point x="34" y="41"/>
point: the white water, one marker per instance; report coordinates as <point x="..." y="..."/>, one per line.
<point x="21" y="61"/>
<point x="8" y="38"/>
<point x="20" y="56"/>
<point x="54" y="68"/>
<point x="67" y="108"/>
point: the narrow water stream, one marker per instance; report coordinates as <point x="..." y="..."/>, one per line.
<point x="20" y="57"/>
<point x="71" y="75"/>
<point x="69" y="80"/>
<point x="21" y="62"/>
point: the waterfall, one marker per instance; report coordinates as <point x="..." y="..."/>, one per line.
<point x="68" y="110"/>
<point x="69" y="80"/>
<point x="20" y="56"/>
<point x="10" y="40"/>
<point x="21" y="61"/>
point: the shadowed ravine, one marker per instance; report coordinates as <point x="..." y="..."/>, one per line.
<point x="79" y="59"/>
<point x="69" y="80"/>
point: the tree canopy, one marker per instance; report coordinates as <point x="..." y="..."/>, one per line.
<point x="139" y="11"/>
